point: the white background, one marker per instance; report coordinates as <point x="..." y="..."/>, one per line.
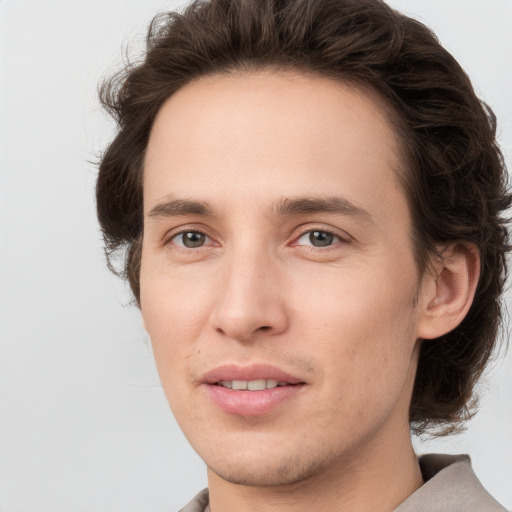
<point x="84" y="425"/>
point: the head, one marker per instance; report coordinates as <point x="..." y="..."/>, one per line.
<point x="214" y="126"/>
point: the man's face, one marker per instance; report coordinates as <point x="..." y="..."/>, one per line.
<point x="277" y="252"/>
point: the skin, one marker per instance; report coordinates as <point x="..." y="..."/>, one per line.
<point x="345" y="318"/>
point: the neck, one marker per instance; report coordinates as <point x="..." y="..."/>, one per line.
<point x="379" y="477"/>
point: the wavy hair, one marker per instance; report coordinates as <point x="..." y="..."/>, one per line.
<point x="455" y="178"/>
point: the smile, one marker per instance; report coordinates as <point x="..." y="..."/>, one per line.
<point x="251" y="390"/>
<point x="252" y="385"/>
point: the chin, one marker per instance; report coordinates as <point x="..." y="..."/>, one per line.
<point x="287" y="471"/>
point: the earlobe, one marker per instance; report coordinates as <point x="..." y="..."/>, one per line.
<point x="450" y="290"/>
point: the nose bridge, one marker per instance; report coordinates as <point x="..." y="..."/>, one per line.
<point x="249" y="300"/>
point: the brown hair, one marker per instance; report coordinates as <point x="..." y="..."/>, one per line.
<point x="455" y="176"/>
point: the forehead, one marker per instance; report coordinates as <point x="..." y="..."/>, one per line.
<point x="232" y="137"/>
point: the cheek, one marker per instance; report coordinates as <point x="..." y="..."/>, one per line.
<point x="363" y="332"/>
<point x="173" y="319"/>
<point x="173" y="348"/>
<point x="359" y="302"/>
<point x="173" y="302"/>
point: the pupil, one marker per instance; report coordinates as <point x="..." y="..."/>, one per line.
<point x="193" y="239"/>
<point x="321" y="238"/>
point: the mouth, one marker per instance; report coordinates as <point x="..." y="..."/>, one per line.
<point x="254" y="390"/>
<point x="253" y="385"/>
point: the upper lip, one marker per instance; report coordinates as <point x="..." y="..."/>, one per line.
<point x="230" y="372"/>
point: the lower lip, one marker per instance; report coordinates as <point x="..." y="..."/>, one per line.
<point x="251" y="403"/>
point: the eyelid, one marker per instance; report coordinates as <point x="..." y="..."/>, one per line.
<point x="173" y="233"/>
<point x="307" y="228"/>
<point x="302" y="230"/>
<point x="344" y="237"/>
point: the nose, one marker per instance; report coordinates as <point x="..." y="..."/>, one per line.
<point x="250" y="301"/>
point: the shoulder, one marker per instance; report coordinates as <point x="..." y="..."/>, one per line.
<point x="450" y="486"/>
<point x="198" y="504"/>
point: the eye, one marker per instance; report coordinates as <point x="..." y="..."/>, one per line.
<point x="318" y="238"/>
<point x="190" y="239"/>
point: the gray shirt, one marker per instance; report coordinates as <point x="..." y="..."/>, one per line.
<point x="450" y="486"/>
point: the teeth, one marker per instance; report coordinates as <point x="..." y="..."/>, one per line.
<point x="271" y="383"/>
<point x="257" y="385"/>
<point x="251" y="385"/>
<point x="240" y="384"/>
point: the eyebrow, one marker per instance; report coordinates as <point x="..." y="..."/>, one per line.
<point x="176" y="207"/>
<point x="173" y="207"/>
<point x="304" y="205"/>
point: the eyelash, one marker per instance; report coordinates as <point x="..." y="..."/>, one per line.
<point x="340" y="239"/>
<point x="173" y="236"/>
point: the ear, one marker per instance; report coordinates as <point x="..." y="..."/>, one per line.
<point x="448" y="290"/>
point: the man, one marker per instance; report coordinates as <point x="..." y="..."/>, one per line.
<point x="311" y="198"/>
